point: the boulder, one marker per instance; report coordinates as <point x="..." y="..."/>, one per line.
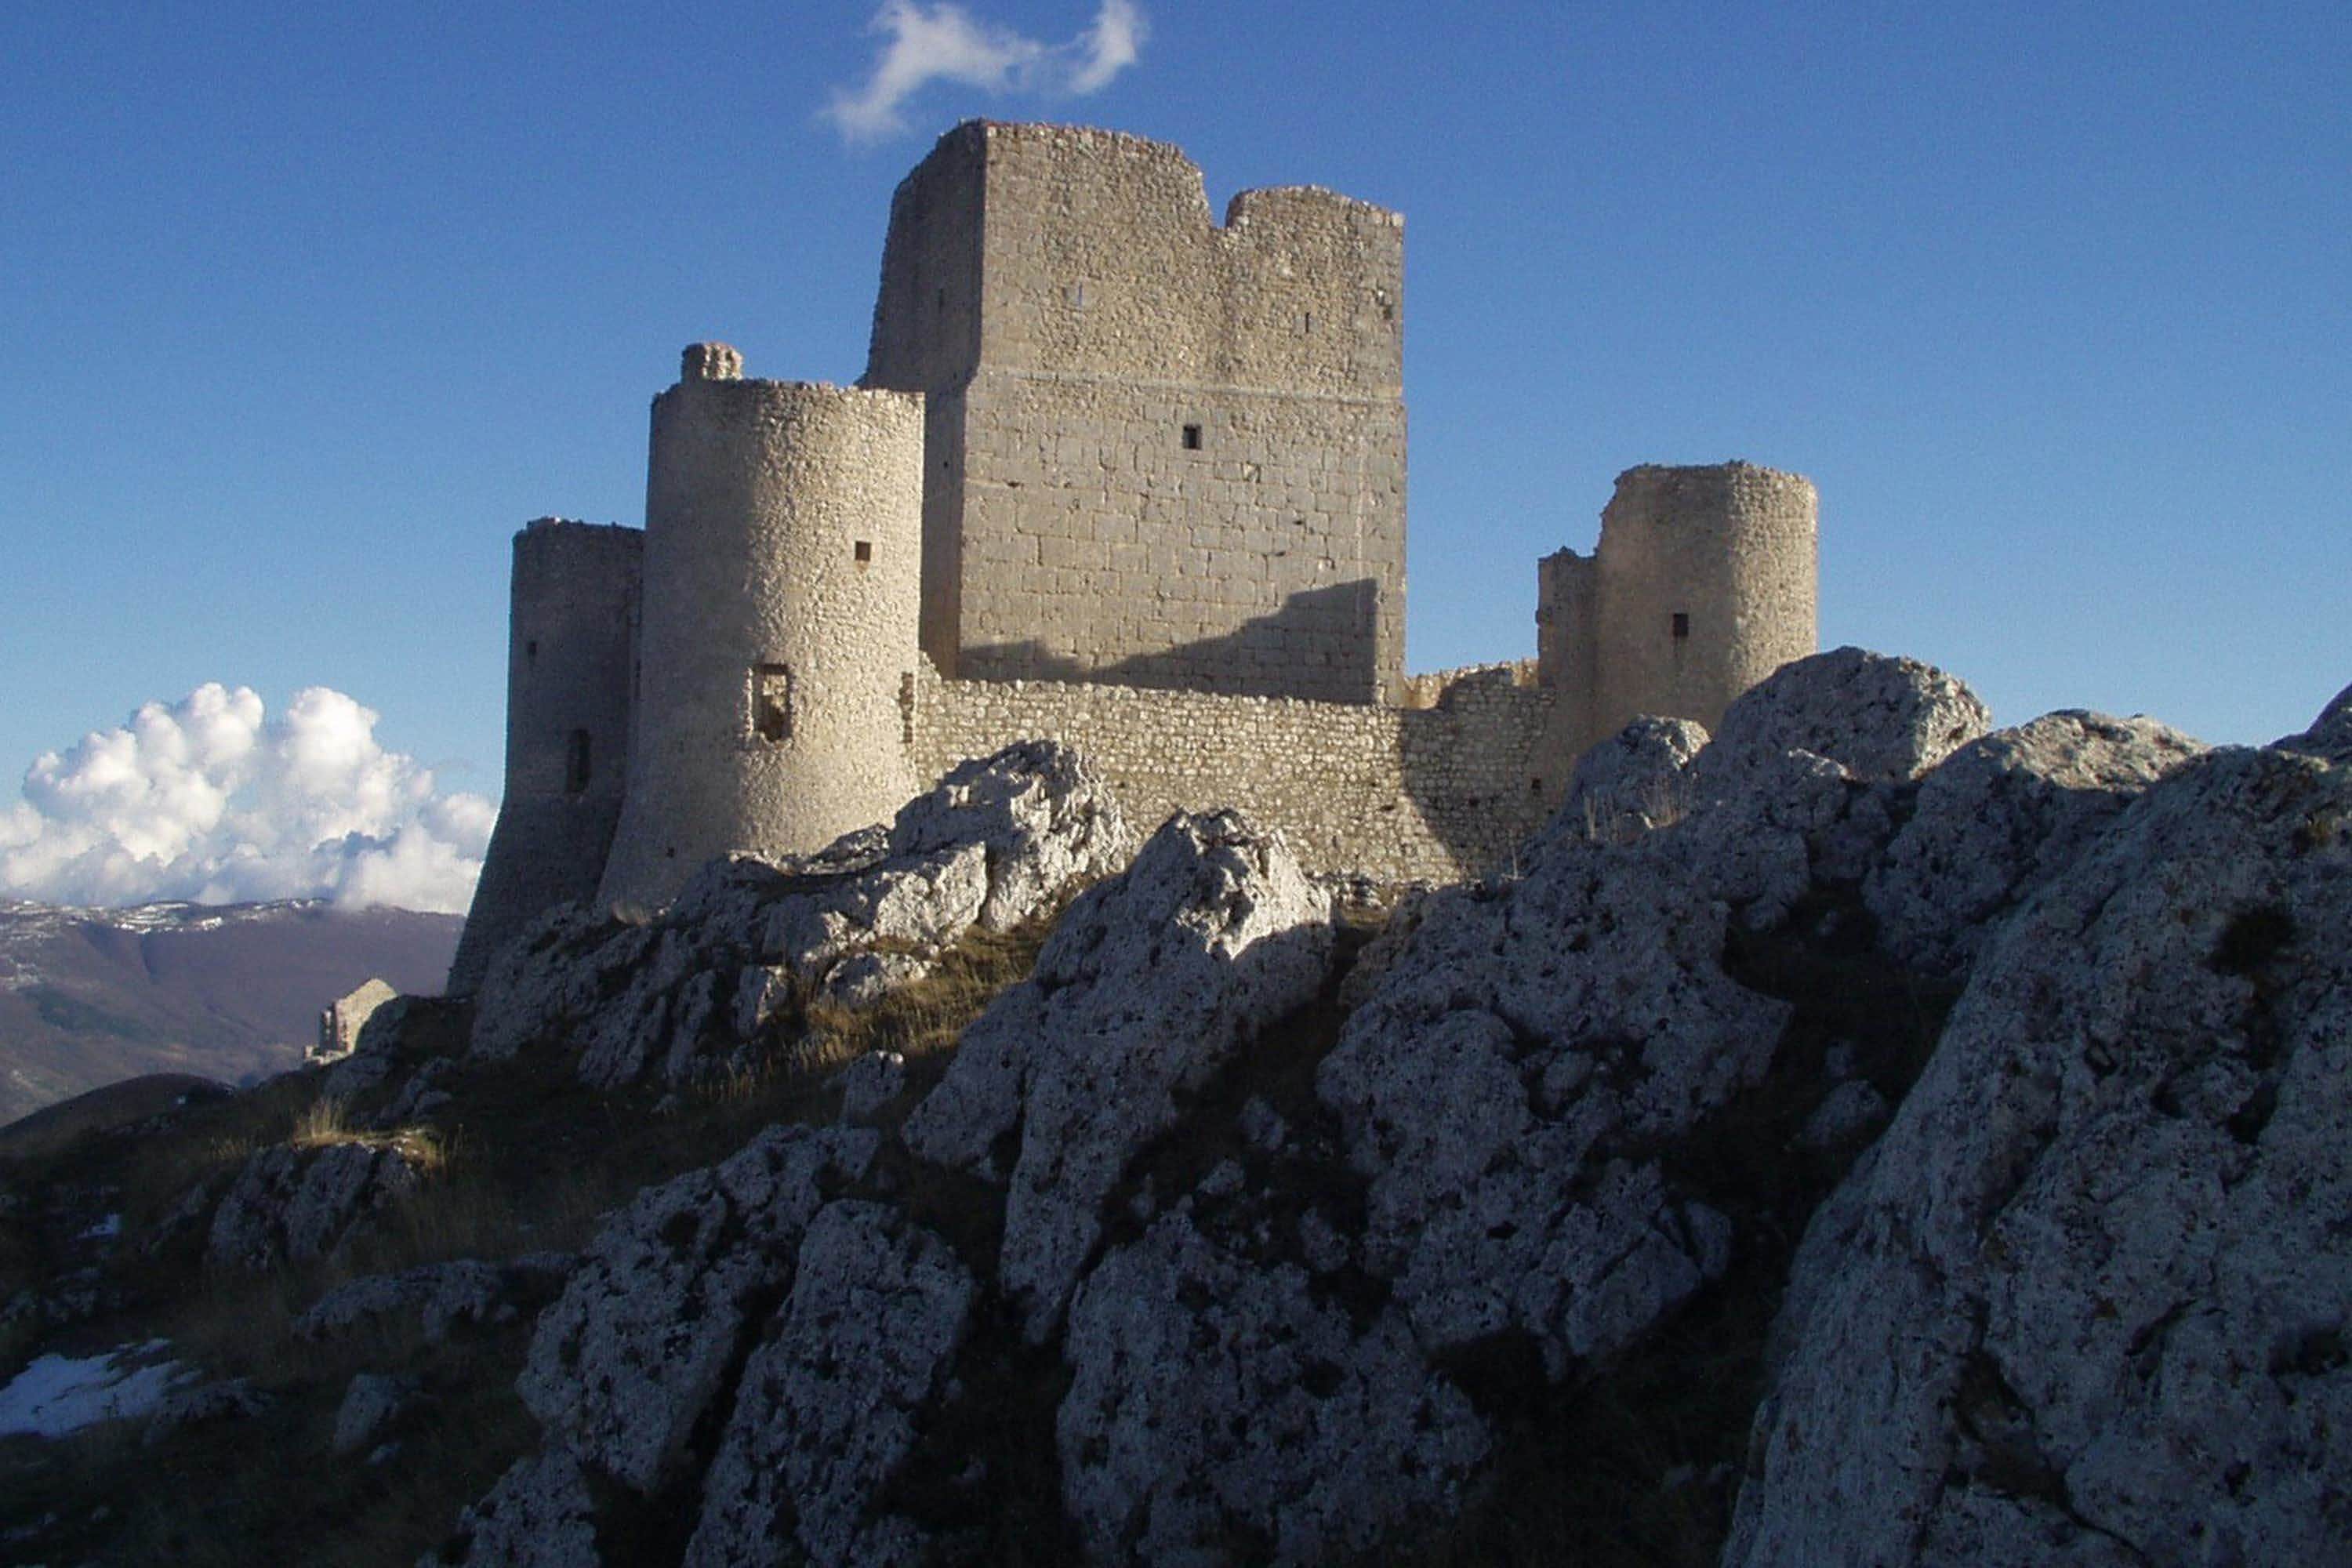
<point x="371" y="1404"/>
<point x="2000" y="818"/>
<point x="1636" y="780"/>
<point x="626" y="1360"/>
<point x="292" y="1203"/>
<point x="440" y="1295"/>
<point x="2087" y="1299"/>
<point x="828" y="1406"/>
<point x="1880" y="719"/>
<point x="1147" y="987"/>
<point x="541" y="1514"/>
<point x="1222" y="1410"/>
<point x="1509" y="1089"/>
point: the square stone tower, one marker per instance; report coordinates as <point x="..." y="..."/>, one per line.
<point x="1158" y="451"/>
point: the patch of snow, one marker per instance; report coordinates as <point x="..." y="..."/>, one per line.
<point x="58" y="1394"/>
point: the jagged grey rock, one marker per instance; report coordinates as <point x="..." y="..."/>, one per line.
<point x="1882" y="718"/>
<point x="997" y="842"/>
<point x="870" y="1083"/>
<point x="827" y="1408"/>
<point x="1636" y="780"/>
<point x="229" y="1399"/>
<point x="625" y="1362"/>
<point x="373" y="1053"/>
<point x="292" y="1204"/>
<point x="441" y="1295"/>
<point x="2001" y="816"/>
<point x="1506" y="1088"/>
<point x="373" y="1402"/>
<point x="2330" y="735"/>
<point x="2087" y="1299"/>
<point x="1150" y="984"/>
<point x="1222" y="1411"/>
<point x="541" y="1514"/>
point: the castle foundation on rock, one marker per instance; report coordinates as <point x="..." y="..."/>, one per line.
<point x="1116" y="475"/>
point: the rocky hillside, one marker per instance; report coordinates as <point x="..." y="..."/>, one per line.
<point x="1854" y="1137"/>
<point x="232" y="993"/>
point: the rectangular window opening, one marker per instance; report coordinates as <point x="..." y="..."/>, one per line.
<point x="531" y="654"/>
<point x="864" y="550"/>
<point x="1682" y="624"/>
<point x="575" y="762"/>
<point x="772" y="702"/>
<point x="1192" y="438"/>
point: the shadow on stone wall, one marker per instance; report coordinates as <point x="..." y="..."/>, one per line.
<point x="1322" y="645"/>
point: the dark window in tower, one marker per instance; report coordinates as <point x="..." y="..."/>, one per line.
<point x="1192" y="438"/>
<point x="531" y="654"/>
<point x="575" y="762"/>
<point x="771" y="702"/>
<point x="864" y="550"/>
<point x="1682" y="624"/>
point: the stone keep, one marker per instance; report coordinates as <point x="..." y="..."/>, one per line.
<point x="1117" y="475"/>
<point x="777" y="627"/>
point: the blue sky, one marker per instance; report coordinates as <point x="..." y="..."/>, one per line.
<point x="308" y="308"/>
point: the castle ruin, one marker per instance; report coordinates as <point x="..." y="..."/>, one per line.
<point x="1116" y="475"/>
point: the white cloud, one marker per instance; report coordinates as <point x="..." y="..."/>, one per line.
<point x="211" y="800"/>
<point x="944" y="43"/>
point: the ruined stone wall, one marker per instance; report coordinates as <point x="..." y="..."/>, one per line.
<point x="1162" y="452"/>
<point x="781" y="585"/>
<point x="1430" y="794"/>
<point x="574" y="602"/>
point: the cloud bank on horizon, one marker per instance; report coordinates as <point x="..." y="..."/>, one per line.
<point x="211" y="800"/>
<point x="944" y="43"/>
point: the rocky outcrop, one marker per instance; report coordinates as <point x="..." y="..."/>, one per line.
<point x="1147" y="988"/>
<point x="541" y="1514"/>
<point x="826" y="1410"/>
<point x="2330" y="735"/>
<point x="745" y="943"/>
<point x="1509" y="1089"/>
<point x="1224" y="1410"/>
<point x="292" y="1203"/>
<point x="626" y="1360"/>
<point x="2000" y="817"/>
<point x="2085" y="1301"/>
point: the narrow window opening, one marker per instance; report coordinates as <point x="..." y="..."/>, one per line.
<point x="772" y="702"/>
<point x="1535" y="784"/>
<point x="1682" y="624"/>
<point x="940" y="299"/>
<point x="1192" y="438"/>
<point x="1078" y="295"/>
<point x="575" y="762"/>
<point x="1306" y="323"/>
<point x="531" y="654"/>
<point x="864" y="550"/>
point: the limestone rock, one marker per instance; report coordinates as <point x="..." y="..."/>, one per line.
<point x="374" y="1050"/>
<point x="1883" y="720"/>
<point x="744" y="943"/>
<point x="1636" y="780"/>
<point x="371" y="1404"/>
<point x="828" y="1406"/>
<point x="1507" y="1088"/>
<point x="1150" y="984"/>
<point x="292" y="1204"/>
<point x="625" y="1362"/>
<point x="541" y="1514"/>
<point x="2001" y="816"/>
<point x="1222" y="1411"/>
<point x="441" y="1295"/>
<point x="230" y="1399"/>
<point x="2330" y="734"/>
<point x="870" y="1083"/>
<point x="2085" y="1301"/>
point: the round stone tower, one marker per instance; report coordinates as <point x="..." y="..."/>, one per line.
<point x="778" y="628"/>
<point x="573" y="601"/>
<point x="1706" y="582"/>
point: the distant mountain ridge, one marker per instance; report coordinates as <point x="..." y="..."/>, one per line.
<point x="231" y="991"/>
